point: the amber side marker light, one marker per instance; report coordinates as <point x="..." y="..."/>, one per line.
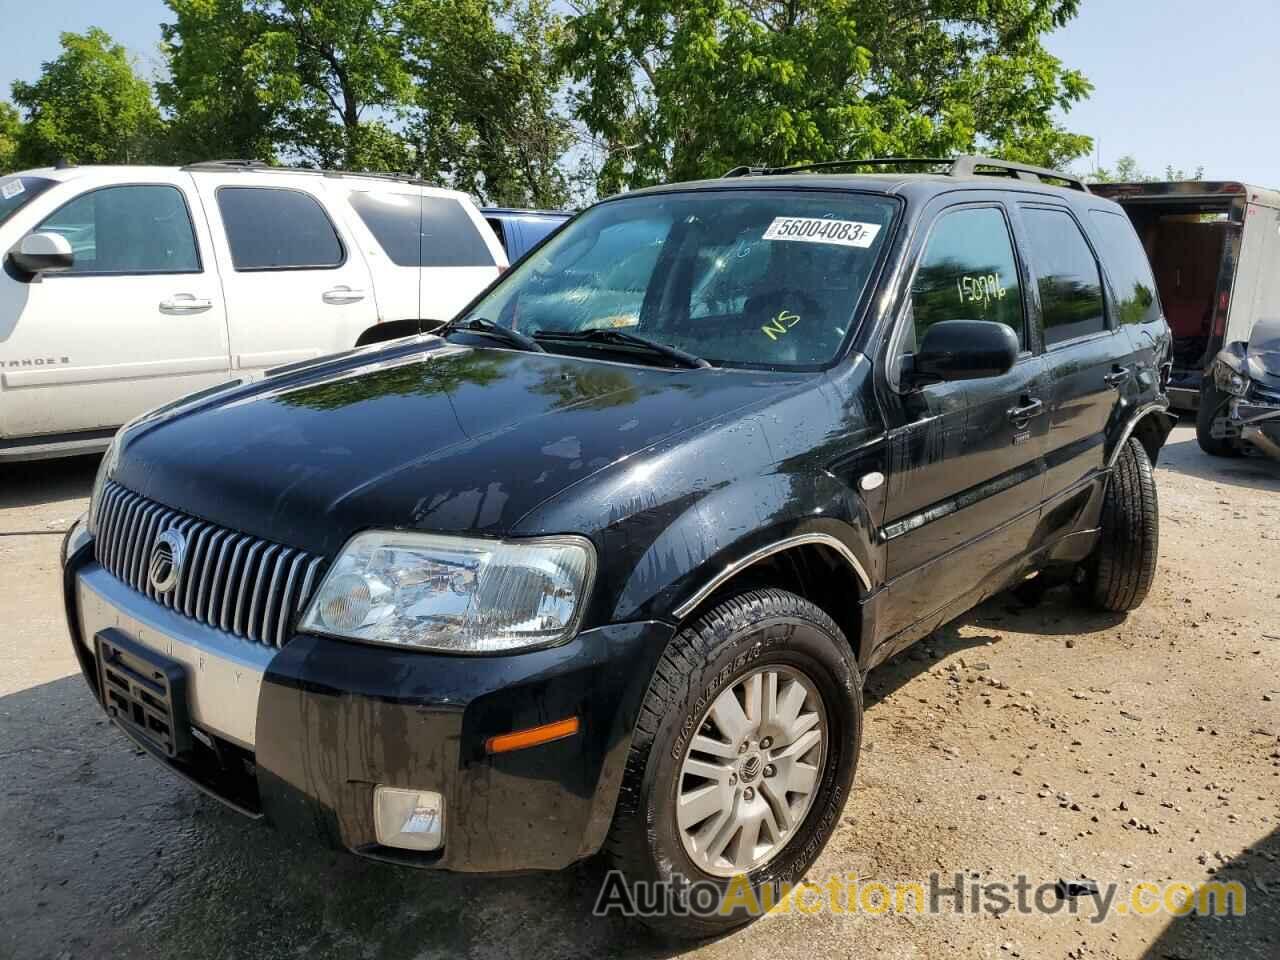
<point x="520" y="739"/>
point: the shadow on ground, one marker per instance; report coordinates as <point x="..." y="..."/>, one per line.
<point x="44" y="481"/>
<point x="103" y="853"/>
<point x="1183" y="455"/>
<point x="1254" y="935"/>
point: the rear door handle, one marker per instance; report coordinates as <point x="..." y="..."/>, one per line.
<point x="1117" y="376"/>
<point x="1031" y="408"/>
<point x="341" y="295"/>
<point x="181" y="303"/>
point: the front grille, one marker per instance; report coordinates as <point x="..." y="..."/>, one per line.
<point x="234" y="582"/>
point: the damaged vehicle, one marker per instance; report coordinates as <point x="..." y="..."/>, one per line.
<point x="603" y="566"/>
<point x="1215" y="247"/>
<point x="1241" y="405"/>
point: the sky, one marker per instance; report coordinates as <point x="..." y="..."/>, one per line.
<point x="1176" y="81"/>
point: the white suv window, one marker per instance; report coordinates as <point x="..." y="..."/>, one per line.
<point x="422" y="231"/>
<point x="130" y="229"/>
<point x="270" y="228"/>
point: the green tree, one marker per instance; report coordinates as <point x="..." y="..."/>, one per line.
<point x="677" y="89"/>
<point x="88" y="106"/>
<point x="1128" y="170"/>
<point x="487" y="85"/>
<point x="10" y="130"/>
<point x="321" y="79"/>
<point x="213" y="102"/>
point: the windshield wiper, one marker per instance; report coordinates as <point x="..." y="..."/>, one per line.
<point x="488" y="328"/>
<point x="619" y="337"/>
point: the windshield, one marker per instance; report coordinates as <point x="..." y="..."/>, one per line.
<point x="742" y="277"/>
<point x="17" y="192"/>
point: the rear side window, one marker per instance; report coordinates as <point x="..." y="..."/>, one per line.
<point x="129" y="229"/>
<point x="1127" y="264"/>
<point x="968" y="272"/>
<point x="1070" y="285"/>
<point x="269" y="228"/>
<point x="422" y="231"/>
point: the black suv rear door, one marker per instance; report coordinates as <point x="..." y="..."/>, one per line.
<point x="1088" y="359"/>
<point x="966" y="459"/>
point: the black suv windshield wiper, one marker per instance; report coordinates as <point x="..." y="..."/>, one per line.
<point x="487" y="328"/>
<point x="675" y="354"/>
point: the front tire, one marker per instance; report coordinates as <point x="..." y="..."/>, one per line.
<point x="1117" y="576"/>
<point x="1212" y="401"/>
<point x="700" y="801"/>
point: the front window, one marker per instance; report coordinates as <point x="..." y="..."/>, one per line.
<point x="17" y="192"/>
<point x="758" y="278"/>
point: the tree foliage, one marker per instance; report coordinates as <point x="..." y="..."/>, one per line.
<point x="487" y="115"/>
<point x="689" y="88"/>
<point x="10" y="128"/>
<point x="88" y="106"/>
<point x="1128" y="170"/>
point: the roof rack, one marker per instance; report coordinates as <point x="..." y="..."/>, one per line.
<point x="970" y="165"/>
<point x="262" y="166"/>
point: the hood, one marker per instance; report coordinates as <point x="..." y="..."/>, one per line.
<point x="440" y="437"/>
<point x="1262" y="355"/>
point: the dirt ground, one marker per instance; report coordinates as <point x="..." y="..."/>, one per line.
<point x="1037" y="740"/>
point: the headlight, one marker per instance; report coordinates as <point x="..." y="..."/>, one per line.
<point x="454" y="594"/>
<point x="1229" y="381"/>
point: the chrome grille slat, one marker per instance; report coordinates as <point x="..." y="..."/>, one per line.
<point x="231" y="581"/>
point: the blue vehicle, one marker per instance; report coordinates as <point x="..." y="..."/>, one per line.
<point x="522" y="230"/>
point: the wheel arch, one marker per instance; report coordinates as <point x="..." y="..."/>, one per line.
<point x="394" y="330"/>
<point x="1151" y="424"/>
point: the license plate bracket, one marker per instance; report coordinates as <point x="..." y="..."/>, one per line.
<point x="144" y="692"/>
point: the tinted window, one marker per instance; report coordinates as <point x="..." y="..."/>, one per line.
<point x="536" y="228"/>
<point x="968" y="272"/>
<point x="1128" y="267"/>
<point x="127" y="229"/>
<point x="1070" y="286"/>
<point x="17" y="192"/>
<point x="422" y="231"/>
<point x="762" y="278"/>
<point x="273" y="229"/>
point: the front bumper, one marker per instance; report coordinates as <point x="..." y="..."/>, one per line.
<point x="1253" y="422"/>
<point x="302" y="735"/>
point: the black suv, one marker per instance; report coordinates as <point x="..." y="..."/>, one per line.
<point x="604" y="566"/>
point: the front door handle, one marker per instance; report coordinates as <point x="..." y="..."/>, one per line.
<point x="340" y="295"/>
<point x="182" y="303"/>
<point x="1030" y="408"/>
<point x="1117" y="376"/>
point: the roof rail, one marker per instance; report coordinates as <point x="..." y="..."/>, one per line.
<point x="262" y="166"/>
<point x="964" y="166"/>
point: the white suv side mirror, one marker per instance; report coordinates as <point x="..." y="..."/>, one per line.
<point x="39" y="253"/>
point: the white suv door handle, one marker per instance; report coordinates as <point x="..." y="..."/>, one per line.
<point x="341" y="295"/>
<point x="185" y="303"/>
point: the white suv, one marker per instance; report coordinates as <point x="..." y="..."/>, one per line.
<point x="126" y="287"/>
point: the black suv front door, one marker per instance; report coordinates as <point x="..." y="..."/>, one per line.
<point x="1089" y="360"/>
<point x="966" y="459"/>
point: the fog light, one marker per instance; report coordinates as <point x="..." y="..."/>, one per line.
<point x="408" y="819"/>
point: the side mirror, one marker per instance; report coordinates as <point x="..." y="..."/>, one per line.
<point x="962" y="350"/>
<point x="39" y="253"/>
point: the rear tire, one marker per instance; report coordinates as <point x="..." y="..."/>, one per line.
<point x="1212" y="400"/>
<point x="1117" y="576"/>
<point x="760" y="633"/>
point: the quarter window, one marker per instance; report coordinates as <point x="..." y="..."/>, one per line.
<point x="1070" y="285"/>
<point x="1127" y="263"/>
<point x="128" y="229"/>
<point x="422" y="231"/>
<point x="968" y="272"/>
<point x="273" y="229"/>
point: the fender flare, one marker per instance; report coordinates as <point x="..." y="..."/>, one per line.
<point x="1156" y="411"/>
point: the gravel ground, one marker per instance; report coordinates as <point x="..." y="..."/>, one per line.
<point x="1039" y="740"/>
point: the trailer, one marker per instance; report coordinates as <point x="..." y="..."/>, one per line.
<point x="1214" y="247"/>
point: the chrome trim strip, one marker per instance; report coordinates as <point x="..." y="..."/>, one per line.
<point x="822" y="539"/>
<point x="224" y="673"/>
<point x="1127" y="432"/>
